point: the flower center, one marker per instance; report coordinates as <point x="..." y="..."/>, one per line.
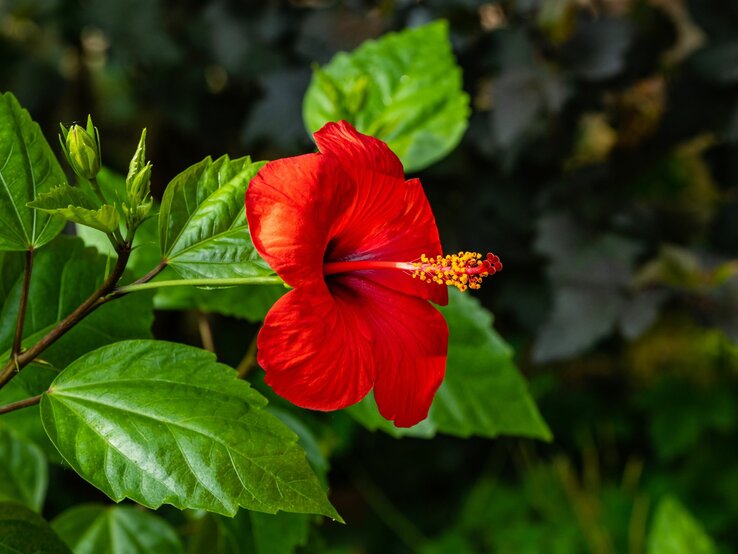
<point x="463" y="270"/>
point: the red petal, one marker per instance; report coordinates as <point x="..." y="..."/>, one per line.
<point x="291" y="207"/>
<point x="316" y="349"/>
<point x="389" y="218"/>
<point x="357" y="151"/>
<point x="410" y="347"/>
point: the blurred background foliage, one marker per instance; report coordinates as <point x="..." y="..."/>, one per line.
<point x="600" y="163"/>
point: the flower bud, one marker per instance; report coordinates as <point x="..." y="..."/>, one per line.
<point x="138" y="185"/>
<point x="82" y="149"/>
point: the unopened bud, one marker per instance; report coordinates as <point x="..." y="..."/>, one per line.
<point x="139" y="184"/>
<point x="82" y="149"/>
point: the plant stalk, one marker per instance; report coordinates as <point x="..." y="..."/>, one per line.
<point x="26" y="402"/>
<point x="61" y="328"/>
<point x="18" y="337"/>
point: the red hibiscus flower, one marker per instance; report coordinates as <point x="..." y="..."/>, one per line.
<point x="359" y="245"/>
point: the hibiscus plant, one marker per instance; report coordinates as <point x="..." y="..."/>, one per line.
<point x="338" y="246"/>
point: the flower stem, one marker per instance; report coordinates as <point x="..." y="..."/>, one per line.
<point x="227" y="282"/>
<point x="20" y="404"/>
<point x="18" y="338"/>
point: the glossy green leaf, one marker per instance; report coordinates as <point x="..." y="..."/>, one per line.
<point x="482" y="394"/>
<point x="27" y="168"/>
<point x="675" y="531"/>
<point x="98" y="529"/>
<point x="24" y="474"/>
<point x="23" y="531"/>
<point x="64" y="275"/>
<point x="404" y="88"/>
<point x="161" y="422"/>
<point x="73" y="204"/>
<point x="202" y="221"/>
<point x="250" y="533"/>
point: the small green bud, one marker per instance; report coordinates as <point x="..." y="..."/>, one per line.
<point x="138" y="185"/>
<point x="139" y="157"/>
<point x="82" y="148"/>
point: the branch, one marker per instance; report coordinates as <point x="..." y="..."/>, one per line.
<point x="18" y="338"/>
<point x="26" y="357"/>
<point x="20" y="404"/>
<point x="151" y="274"/>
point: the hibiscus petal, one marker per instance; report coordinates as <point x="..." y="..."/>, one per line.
<point x="410" y="340"/>
<point x="316" y="349"/>
<point x="389" y="218"/>
<point x="357" y="151"/>
<point x="291" y="207"/>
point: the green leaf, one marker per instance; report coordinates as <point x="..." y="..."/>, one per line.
<point x="161" y="422"/>
<point x="202" y="222"/>
<point x="675" y="531"/>
<point x="27" y="168"/>
<point x="98" y="529"/>
<point x="64" y="275"/>
<point x="24" y="474"/>
<point x="251" y="533"/>
<point x="73" y="204"/>
<point x="404" y="88"/>
<point x="483" y="393"/>
<point x="25" y="532"/>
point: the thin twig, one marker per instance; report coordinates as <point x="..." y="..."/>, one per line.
<point x="18" y="338"/>
<point x="118" y="292"/>
<point x="151" y="274"/>
<point x="60" y="329"/>
<point x="20" y="404"/>
<point x="248" y="362"/>
<point x="206" y="332"/>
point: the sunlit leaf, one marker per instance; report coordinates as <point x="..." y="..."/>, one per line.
<point x="404" y="88"/>
<point x="98" y="529"/>
<point x="203" y="230"/>
<point x="161" y="422"/>
<point x="27" y="168"/>
<point x="73" y="204"/>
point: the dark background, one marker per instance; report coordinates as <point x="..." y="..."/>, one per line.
<point x="600" y="165"/>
